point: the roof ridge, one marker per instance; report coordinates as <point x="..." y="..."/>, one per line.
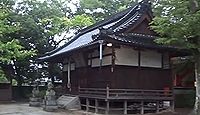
<point x="132" y="16"/>
<point x="90" y="28"/>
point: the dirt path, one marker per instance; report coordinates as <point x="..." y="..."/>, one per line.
<point x="24" y="109"/>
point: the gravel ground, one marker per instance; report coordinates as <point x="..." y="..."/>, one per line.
<point x="24" y="109"/>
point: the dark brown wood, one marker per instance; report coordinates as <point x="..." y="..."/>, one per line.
<point x="139" y="58"/>
<point x="5" y="92"/>
<point x="122" y="77"/>
<point x="162" y="59"/>
<point x="135" y="94"/>
<point x="113" y="59"/>
<point x="105" y="55"/>
<point x="142" y="27"/>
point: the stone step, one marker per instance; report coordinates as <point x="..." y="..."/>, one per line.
<point x="68" y="102"/>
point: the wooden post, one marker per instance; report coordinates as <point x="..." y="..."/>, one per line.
<point x="107" y="107"/>
<point x="113" y="59"/>
<point x="172" y="105"/>
<point x="107" y="92"/>
<point x="96" y="106"/>
<point x="79" y="89"/>
<point x="142" y="108"/>
<point x="125" y="107"/>
<point x="157" y="106"/>
<point x="87" y="104"/>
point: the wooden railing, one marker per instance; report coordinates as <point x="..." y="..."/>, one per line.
<point x="108" y="93"/>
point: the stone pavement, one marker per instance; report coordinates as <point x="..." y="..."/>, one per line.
<point x="24" y="109"/>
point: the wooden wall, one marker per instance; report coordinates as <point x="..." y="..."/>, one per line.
<point x="122" y="77"/>
<point x="5" y="92"/>
<point x="144" y="69"/>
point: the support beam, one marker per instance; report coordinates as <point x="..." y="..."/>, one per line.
<point x="87" y="104"/>
<point x="142" y="108"/>
<point x="96" y="105"/>
<point x="113" y="58"/>
<point x="157" y="106"/>
<point x="172" y="105"/>
<point x="107" y="107"/>
<point x="139" y="58"/>
<point x="125" y="107"/>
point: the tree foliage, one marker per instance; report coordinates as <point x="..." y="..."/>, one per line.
<point x="32" y="25"/>
<point x="99" y="9"/>
<point x="9" y="50"/>
<point x="177" y="22"/>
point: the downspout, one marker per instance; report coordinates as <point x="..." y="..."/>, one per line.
<point x="100" y="51"/>
<point x="68" y="75"/>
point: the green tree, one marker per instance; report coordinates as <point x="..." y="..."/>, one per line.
<point x="177" y="22"/>
<point x="37" y="24"/>
<point x="9" y="50"/>
<point x="100" y="9"/>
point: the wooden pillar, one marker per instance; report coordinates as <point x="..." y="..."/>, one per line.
<point x="157" y="106"/>
<point x="172" y="105"/>
<point x="87" y="104"/>
<point x="96" y="105"/>
<point x="139" y="58"/>
<point x="113" y="59"/>
<point x="142" y="108"/>
<point x="107" y="92"/>
<point x="125" y="107"/>
<point x="107" y="107"/>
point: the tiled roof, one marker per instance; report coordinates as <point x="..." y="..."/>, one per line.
<point x="115" y="24"/>
<point x="139" y="40"/>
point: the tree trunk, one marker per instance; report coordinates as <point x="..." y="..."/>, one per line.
<point x="197" y="77"/>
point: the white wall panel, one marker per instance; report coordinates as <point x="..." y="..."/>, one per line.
<point x="106" y="50"/>
<point x="65" y="67"/>
<point x="126" y="56"/>
<point x="151" y="59"/>
<point x="107" y="60"/>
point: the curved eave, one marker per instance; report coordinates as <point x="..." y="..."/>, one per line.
<point x="53" y="57"/>
<point x="100" y="24"/>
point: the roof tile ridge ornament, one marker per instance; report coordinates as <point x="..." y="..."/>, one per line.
<point x="146" y="6"/>
<point x="137" y="10"/>
<point x="102" y="32"/>
<point x="129" y="14"/>
<point x="105" y="31"/>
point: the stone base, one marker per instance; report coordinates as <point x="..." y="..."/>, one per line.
<point x="50" y="103"/>
<point x="35" y="102"/>
<point x="50" y="108"/>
